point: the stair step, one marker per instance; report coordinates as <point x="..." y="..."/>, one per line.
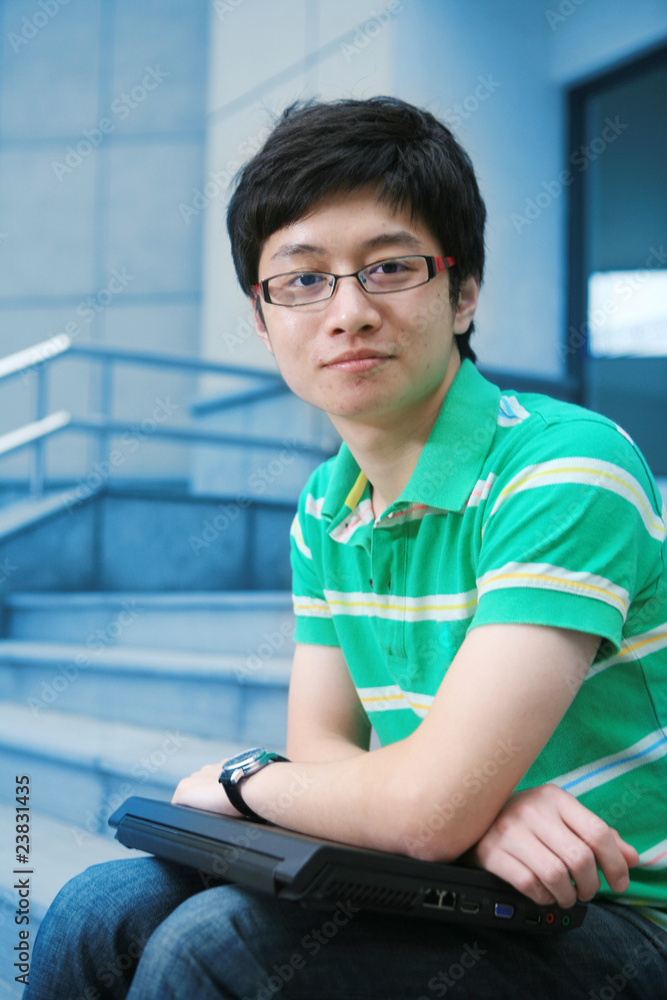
<point x="255" y="623"/>
<point x="208" y="666"/>
<point x="56" y="857"/>
<point x="81" y="768"/>
<point x="28" y="511"/>
<point x="237" y="698"/>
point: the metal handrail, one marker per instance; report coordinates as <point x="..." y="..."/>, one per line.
<point x="213" y="404"/>
<point x="41" y="356"/>
<point x="108" y="425"/>
<point x="182" y="362"/>
<point x="35" y="431"/>
<point x="49" y="350"/>
<point x="36" y="355"/>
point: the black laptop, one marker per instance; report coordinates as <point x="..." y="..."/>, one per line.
<point x="322" y="874"/>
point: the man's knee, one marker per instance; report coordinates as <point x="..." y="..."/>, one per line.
<point x="94" y="905"/>
<point x="98" y="887"/>
<point x="198" y="936"/>
<point x="83" y="894"/>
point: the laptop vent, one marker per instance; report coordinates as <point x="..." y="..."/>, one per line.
<point x="369" y="895"/>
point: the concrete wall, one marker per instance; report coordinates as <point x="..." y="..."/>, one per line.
<point x="101" y="138"/>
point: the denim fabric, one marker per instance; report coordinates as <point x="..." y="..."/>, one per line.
<point x="146" y="930"/>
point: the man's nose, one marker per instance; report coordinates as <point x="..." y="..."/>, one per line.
<point x="351" y="307"/>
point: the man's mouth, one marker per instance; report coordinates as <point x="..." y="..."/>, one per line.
<point x="358" y="361"/>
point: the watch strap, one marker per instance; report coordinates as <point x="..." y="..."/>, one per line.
<point x="233" y="790"/>
<point x="236" y="799"/>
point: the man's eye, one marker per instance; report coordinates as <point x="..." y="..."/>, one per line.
<point x="393" y="267"/>
<point x="308" y="279"/>
<point x="389" y="267"/>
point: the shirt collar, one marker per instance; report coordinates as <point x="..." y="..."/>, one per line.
<point x="450" y="462"/>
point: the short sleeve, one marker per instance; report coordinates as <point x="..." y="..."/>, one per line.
<point x="573" y="531"/>
<point x="314" y="621"/>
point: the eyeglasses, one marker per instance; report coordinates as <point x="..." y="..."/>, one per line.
<point x="395" y="274"/>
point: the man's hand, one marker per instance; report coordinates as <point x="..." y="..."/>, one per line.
<point x="203" y="791"/>
<point x="544" y="838"/>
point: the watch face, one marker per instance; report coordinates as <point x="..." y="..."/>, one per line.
<point x="245" y="760"/>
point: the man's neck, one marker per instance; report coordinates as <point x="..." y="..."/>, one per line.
<point x="387" y="451"/>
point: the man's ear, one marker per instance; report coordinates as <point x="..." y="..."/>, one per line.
<point x="260" y="325"/>
<point x="467" y="304"/>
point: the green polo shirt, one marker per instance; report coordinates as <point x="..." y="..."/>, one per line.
<point x="521" y="509"/>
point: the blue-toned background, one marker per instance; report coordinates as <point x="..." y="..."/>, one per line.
<point x="149" y="455"/>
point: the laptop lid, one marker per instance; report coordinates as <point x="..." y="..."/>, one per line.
<point x="323" y="874"/>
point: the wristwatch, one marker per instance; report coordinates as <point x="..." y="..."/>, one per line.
<point x="236" y="769"/>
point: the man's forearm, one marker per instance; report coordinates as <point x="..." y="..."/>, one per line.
<point x="366" y="799"/>
<point x="500" y="701"/>
<point x="436" y="792"/>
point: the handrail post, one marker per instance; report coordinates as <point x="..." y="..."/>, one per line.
<point x="106" y="406"/>
<point x="37" y="471"/>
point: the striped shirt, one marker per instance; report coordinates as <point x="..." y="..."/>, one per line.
<point x="521" y="509"/>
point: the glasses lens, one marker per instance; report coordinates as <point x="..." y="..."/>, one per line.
<point x="394" y="274"/>
<point x="299" y="288"/>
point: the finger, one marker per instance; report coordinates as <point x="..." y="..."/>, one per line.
<point x="548" y="872"/>
<point x="518" y="874"/>
<point x="564" y="856"/>
<point x="581" y="864"/>
<point x="575" y="854"/>
<point x="602" y="839"/>
<point x="630" y="853"/>
<point x="553" y="874"/>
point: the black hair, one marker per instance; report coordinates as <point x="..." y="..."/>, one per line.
<point x="318" y="148"/>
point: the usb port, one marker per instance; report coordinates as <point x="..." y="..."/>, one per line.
<point x="439" y="899"/>
<point x="533" y="919"/>
<point x="465" y="906"/>
<point x="503" y="910"/>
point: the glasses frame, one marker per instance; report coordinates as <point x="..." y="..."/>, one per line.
<point x="435" y="266"/>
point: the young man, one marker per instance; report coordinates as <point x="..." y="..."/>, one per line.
<point x="478" y="576"/>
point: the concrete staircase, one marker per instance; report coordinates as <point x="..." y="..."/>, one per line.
<point x="106" y="694"/>
<point x="145" y="630"/>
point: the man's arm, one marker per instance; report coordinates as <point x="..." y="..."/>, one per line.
<point x="502" y="697"/>
<point x="543" y="841"/>
<point x="325" y="720"/>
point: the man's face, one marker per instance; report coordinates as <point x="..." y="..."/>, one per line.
<point x="362" y="357"/>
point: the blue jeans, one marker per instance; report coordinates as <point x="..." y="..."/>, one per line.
<point x="145" y="929"/>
